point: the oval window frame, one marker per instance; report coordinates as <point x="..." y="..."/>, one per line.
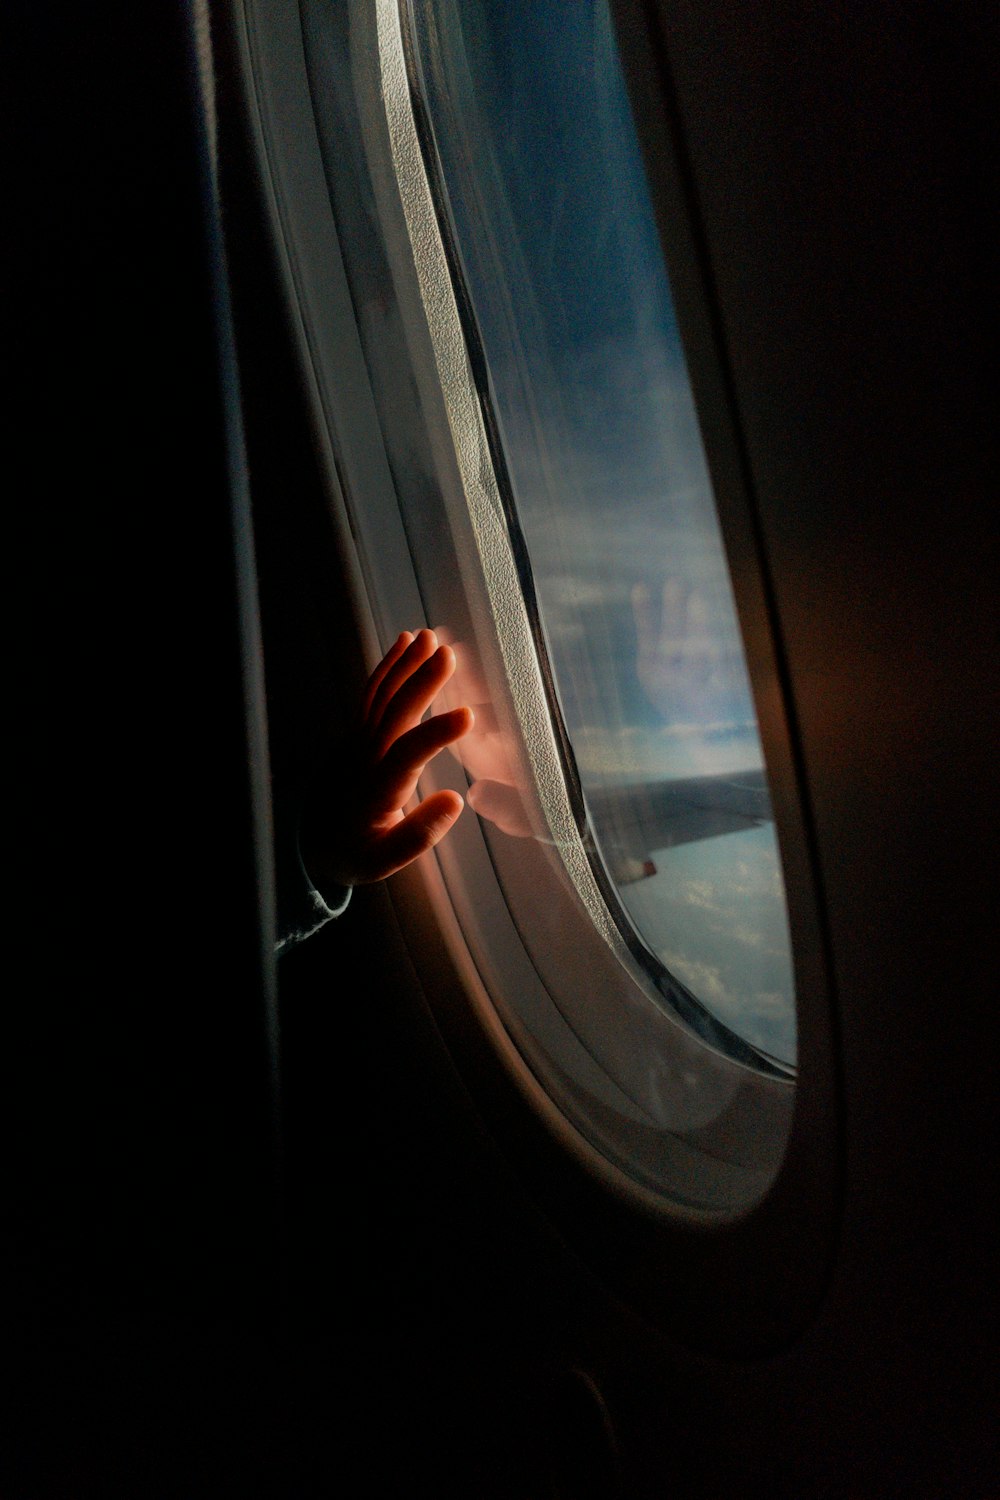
<point x="689" y="1270"/>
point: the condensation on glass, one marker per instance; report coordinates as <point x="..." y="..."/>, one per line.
<point x="620" y="890"/>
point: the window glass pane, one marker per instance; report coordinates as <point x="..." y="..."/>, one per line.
<point x="581" y="367"/>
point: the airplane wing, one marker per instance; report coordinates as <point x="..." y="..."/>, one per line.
<point x="629" y="822"/>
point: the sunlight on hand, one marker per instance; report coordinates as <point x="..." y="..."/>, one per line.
<point x="365" y="835"/>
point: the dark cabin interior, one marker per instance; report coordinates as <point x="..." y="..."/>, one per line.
<point x="265" y="1237"/>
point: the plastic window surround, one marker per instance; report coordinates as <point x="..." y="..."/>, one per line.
<point x="478" y="491"/>
<point x="384" y="571"/>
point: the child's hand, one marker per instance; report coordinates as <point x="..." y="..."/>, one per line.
<point x="363" y="835"/>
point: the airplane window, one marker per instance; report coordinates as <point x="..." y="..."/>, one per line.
<point x="519" y="455"/>
<point x="542" y="181"/>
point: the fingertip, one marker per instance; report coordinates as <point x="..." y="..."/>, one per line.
<point x="451" y="809"/>
<point x="435" y="818"/>
<point x="447" y="807"/>
<point x="403" y="640"/>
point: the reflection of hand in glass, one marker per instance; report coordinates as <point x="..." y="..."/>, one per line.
<point x="359" y="833"/>
<point x="495" y="793"/>
<point x="677" y="651"/>
<point x="501" y="803"/>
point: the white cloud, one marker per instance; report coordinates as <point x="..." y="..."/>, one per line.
<point x="770" y="1003"/>
<point x="703" y="979"/>
<point x="700" y="893"/>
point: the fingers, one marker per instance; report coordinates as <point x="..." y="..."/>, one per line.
<point x="388" y="661"/>
<point x="412" y="695"/>
<point x="400" y="669"/>
<point x="414" y="835"/>
<point x="399" y="771"/>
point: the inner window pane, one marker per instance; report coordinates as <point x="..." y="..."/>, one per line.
<point x="557" y="248"/>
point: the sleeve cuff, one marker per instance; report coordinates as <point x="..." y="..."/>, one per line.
<point x="313" y="911"/>
<point x="302" y="908"/>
